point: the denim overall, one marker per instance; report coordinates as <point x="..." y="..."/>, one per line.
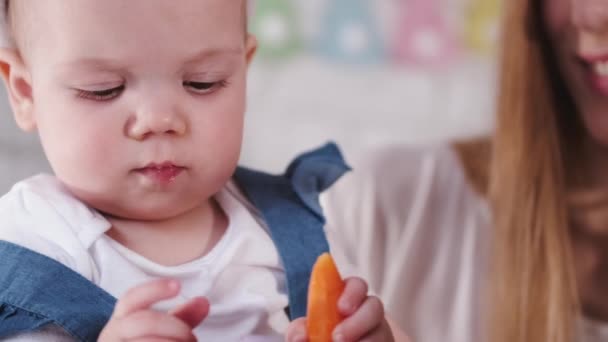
<point x="36" y="290"/>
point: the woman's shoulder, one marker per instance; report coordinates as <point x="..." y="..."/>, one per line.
<point x="403" y="175"/>
<point x="400" y="196"/>
<point x="401" y="162"/>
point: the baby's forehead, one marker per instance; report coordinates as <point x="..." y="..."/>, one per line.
<point x="7" y="14"/>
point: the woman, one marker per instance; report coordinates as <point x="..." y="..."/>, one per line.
<point x="501" y="239"/>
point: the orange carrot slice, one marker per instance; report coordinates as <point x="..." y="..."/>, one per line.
<point x="325" y="288"/>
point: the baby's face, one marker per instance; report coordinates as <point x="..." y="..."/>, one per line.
<point x="139" y="103"/>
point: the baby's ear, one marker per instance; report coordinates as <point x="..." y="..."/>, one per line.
<point x="17" y="80"/>
<point x="251" y="46"/>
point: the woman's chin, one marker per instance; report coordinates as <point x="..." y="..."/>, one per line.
<point x="596" y="125"/>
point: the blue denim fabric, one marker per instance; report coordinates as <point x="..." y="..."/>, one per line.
<point x="36" y="291"/>
<point x="298" y="234"/>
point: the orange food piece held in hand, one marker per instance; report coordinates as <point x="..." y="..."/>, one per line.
<point x="325" y="288"/>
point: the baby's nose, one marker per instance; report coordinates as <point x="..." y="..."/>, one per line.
<point x="153" y="123"/>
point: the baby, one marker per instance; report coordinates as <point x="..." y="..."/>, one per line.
<point x="139" y="107"/>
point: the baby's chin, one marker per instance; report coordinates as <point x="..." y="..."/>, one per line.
<point x="146" y="212"/>
<point x="154" y="207"/>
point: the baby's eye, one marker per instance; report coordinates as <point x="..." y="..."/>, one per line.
<point x="101" y="95"/>
<point x="204" y="87"/>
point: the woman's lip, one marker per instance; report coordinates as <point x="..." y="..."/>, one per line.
<point x="598" y="83"/>
<point x="594" y="57"/>
<point x="593" y="67"/>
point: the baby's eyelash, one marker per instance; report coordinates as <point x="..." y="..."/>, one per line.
<point x="205" y="87"/>
<point x="111" y="93"/>
<point x="100" y="95"/>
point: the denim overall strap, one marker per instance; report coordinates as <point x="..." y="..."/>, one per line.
<point x="289" y="204"/>
<point x="36" y="290"/>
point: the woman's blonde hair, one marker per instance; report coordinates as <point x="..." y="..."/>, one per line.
<point x="526" y="171"/>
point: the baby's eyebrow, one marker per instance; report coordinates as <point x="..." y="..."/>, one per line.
<point x="215" y="53"/>
<point x="100" y="63"/>
<point x="96" y="63"/>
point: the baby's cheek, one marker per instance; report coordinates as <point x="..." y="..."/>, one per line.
<point x="84" y="160"/>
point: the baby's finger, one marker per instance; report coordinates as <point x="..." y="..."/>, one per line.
<point x="366" y="319"/>
<point x="153" y="324"/>
<point x="144" y="296"/>
<point x="193" y="312"/>
<point x="296" y="332"/>
<point x="381" y="334"/>
<point x="355" y="293"/>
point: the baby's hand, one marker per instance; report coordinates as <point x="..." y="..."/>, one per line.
<point x="133" y="318"/>
<point x="364" y="320"/>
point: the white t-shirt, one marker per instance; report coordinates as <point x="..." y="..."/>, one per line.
<point x="408" y="221"/>
<point x="242" y="275"/>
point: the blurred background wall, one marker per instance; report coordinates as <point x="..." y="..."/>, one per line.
<point x="360" y="72"/>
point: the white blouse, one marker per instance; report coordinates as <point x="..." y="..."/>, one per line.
<point x="407" y="220"/>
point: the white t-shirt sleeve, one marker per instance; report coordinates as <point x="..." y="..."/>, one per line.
<point x="29" y="220"/>
<point x="39" y="214"/>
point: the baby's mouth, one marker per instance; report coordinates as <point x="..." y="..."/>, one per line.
<point x="163" y="173"/>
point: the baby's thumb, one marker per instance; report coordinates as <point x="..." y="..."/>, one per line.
<point x="296" y="332"/>
<point x="193" y="312"/>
